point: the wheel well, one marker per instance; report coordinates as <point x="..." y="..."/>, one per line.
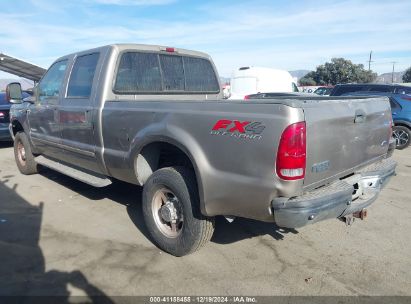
<point x="17" y="127"/>
<point x="159" y="155"/>
<point x="400" y="124"/>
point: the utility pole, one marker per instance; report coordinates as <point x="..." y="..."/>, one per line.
<point x="392" y="75"/>
<point x="369" y="62"/>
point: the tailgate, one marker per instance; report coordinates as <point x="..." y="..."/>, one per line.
<point x="343" y="135"/>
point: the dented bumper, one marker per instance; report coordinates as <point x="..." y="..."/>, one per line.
<point x="335" y="200"/>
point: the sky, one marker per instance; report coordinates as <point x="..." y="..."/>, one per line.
<point x="281" y="34"/>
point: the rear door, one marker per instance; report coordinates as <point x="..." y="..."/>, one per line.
<point x="343" y="135"/>
<point x="76" y="113"/>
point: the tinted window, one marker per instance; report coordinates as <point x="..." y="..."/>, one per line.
<point x="149" y="72"/>
<point x="200" y="75"/>
<point x="173" y="72"/>
<point x="82" y="75"/>
<point x="50" y="84"/>
<point x="382" y="88"/>
<point x="341" y="90"/>
<point x="403" y="90"/>
<point x="138" y="72"/>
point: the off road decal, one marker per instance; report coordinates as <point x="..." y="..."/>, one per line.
<point x="238" y="129"/>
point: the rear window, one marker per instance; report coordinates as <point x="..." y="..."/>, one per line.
<point x="382" y="89"/>
<point x="156" y="73"/>
<point x="346" y="89"/>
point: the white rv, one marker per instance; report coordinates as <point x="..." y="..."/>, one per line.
<point x="252" y="80"/>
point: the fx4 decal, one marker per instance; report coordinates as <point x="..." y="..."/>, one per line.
<point x="239" y="129"/>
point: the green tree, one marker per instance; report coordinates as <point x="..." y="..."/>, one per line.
<point x="304" y="81"/>
<point x="340" y="70"/>
<point x="407" y="75"/>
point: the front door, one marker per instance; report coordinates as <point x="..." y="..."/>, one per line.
<point x="43" y="114"/>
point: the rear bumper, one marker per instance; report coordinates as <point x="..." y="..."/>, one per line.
<point x="336" y="200"/>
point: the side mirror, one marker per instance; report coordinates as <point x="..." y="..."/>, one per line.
<point x="13" y="93"/>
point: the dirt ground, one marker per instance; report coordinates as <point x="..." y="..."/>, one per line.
<point x="59" y="236"/>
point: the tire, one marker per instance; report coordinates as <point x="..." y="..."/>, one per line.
<point x="192" y="230"/>
<point x="402" y="136"/>
<point x="23" y="155"/>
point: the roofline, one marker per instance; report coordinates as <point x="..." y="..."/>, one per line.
<point x="138" y="47"/>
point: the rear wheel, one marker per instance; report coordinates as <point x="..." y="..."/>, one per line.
<point x="23" y="155"/>
<point x="171" y="210"/>
<point x="402" y="136"/>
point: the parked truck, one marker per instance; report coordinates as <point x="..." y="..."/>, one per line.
<point x="153" y="116"/>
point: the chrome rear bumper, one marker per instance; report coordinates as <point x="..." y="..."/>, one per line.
<point x="335" y="200"/>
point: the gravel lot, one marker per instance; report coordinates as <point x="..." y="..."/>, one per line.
<point x="60" y="236"/>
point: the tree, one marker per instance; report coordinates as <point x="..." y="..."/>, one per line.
<point x="407" y="75"/>
<point x="307" y="81"/>
<point x="340" y="70"/>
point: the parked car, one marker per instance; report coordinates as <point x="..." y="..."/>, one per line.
<point x="401" y="115"/>
<point x="345" y="89"/>
<point x="252" y="80"/>
<point x="154" y="116"/>
<point x="4" y="116"/>
<point x="323" y="91"/>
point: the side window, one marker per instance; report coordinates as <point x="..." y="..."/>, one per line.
<point x="138" y="72"/>
<point x="343" y="90"/>
<point x="50" y="84"/>
<point x="82" y="75"/>
<point x="200" y="75"/>
<point x="173" y="72"/>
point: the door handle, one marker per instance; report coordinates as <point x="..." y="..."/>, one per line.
<point x="359" y="116"/>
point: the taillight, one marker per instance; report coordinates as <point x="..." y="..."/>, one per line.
<point x="2" y="115"/>
<point x="246" y="97"/>
<point x="291" y="155"/>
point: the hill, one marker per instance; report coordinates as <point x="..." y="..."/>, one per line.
<point x="387" y="77"/>
<point x="299" y="73"/>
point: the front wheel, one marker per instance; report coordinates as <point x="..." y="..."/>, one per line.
<point x="402" y="136"/>
<point x="171" y="210"/>
<point x="22" y="153"/>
